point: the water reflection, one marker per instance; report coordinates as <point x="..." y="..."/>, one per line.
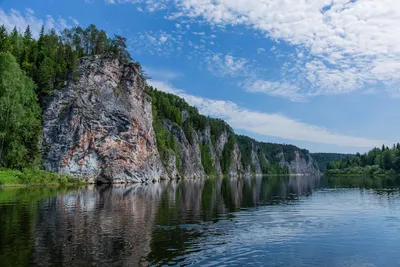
<point x="138" y="225"/>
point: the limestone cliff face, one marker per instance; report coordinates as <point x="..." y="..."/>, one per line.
<point x="264" y="158"/>
<point x="236" y="167"/>
<point x="189" y="153"/>
<point x="191" y="166"/>
<point x="255" y="167"/>
<point x="99" y="126"/>
<point x="301" y="165"/>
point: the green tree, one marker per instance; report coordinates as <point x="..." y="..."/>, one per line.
<point x="387" y="159"/>
<point x="227" y="154"/>
<point x="15" y="43"/>
<point x="4" y="42"/>
<point x="20" y="123"/>
<point x="28" y="34"/>
<point x="118" y="47"/>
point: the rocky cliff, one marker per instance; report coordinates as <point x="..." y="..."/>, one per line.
<point x="267" y="158"/>
<point x="99" y="126"/>
<point x="106" y="125"/>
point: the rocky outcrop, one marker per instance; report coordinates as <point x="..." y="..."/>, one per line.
<point x="301" y="165"/>
<point x="236" y="167"/>
<point x="99" y="126"/>
<point x="189" y="153"/>
<point x="255" y="167"/>
<point x="267" y="158"/>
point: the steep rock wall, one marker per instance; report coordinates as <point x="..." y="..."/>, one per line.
<point x="300" y="165"/>
<point x="189" y="153"/>
<point x="99" y="126"/>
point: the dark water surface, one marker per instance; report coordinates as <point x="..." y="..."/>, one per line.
<point x="270" y="221"/>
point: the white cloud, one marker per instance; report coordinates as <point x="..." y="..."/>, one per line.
<point x="30" y="11"/>
<point x="224" y="65"/>
<point x="199" y="33"/>
<point x="74" y="20"/>
<point x="267" y="124"/>
<point x="157" y="42"/>
<point x="261" y="51"/>
<point x="21" y="20"/>
<point x="351" y="44"/>
<point x="273" y="88"/>
<point x="149" y="5"/>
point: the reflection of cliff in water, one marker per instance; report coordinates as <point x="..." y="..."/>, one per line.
<point x="97" y="224"/>
<point x="127" y="225"/>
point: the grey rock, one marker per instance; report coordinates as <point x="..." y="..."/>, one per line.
<point x="300" y="165"/>
<point x="99" y="126"/>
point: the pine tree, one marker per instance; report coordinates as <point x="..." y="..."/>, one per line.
<point x="15" y="43"/>
<point x="4" y="42"/>
<point x="28" y="34"/>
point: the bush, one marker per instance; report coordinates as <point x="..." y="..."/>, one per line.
<point x="33" y="176"/>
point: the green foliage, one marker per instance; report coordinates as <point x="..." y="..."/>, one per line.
<point x="50" y="60"/>
<point x="166" y="144"/>
<point x="323" y="159"/>
<point x="176" y="110"/>
<point x="32" y="176"/>
<point x="377" y="161"/>
<point x="267" y="154"/>
<point x="206" y="159"/>
<point x="246" y="147"/>
<point x="167" y="106"/>
<point x="226" y="159"/>
<point x="20" y="115"/>
<point x="172" y="107"/>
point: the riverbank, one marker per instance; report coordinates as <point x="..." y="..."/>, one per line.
<point x="363" y="175"/>
<point x="34" y="177"/>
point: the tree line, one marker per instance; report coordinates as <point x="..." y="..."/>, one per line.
<point x="323" y="159"/>
<point x="376" y="161"/>
<point x="52" y="58"/>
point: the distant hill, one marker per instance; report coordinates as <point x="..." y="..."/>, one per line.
<point x="323" y="159"/>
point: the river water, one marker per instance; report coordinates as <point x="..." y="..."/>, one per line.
<point x="269" y="221"/>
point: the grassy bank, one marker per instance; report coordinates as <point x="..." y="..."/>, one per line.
<point x="34" y="177"/>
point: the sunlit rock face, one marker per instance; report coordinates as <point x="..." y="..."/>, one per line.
<point x="300" y="165"/>
<point x="99" y="126"/>
<point x="189" y="152"/>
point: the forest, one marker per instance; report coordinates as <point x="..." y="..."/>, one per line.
<point x="378" y="161"/>
<point x="323" y="159"/>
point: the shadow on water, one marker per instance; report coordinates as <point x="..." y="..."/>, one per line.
<point x="138" y="224"/>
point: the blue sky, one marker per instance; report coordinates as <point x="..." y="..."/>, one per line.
<point x="320" y="74"/>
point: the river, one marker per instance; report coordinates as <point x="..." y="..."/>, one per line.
<point x="268" y="221"/>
